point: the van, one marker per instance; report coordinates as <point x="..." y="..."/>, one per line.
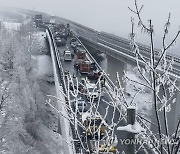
<point x="67" y="55"/>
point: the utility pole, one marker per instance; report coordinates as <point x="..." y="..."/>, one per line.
<point x="132" y="129"/>
<point x="131" y="114"/>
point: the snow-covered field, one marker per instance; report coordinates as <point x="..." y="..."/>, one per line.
<point x="12" y="26"/>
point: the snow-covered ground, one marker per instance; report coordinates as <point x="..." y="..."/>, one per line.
<point x="27" y="123"/>
<point x="44" y="65"/>
<point x="143" y="100"/>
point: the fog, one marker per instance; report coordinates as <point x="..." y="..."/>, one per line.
<point x="112" y="16"/>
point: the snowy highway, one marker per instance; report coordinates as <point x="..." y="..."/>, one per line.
<point x="69" y="89"/>
<point x="104" y="100"/>
<point x="111" y="113"/>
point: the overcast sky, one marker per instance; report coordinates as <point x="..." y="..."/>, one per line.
<point x="112" y="16"/>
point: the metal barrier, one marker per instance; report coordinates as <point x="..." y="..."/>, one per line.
<point x="61" y="71"/>
<point x="65" y="126"/>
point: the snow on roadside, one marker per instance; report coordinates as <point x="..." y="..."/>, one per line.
<point x="44" y="65"/>
<point x="44" y="73"/>
<point x="143" y="100"/>
<point x="38" y="46"/>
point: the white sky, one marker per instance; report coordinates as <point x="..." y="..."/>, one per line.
<point x="112" y="16"/>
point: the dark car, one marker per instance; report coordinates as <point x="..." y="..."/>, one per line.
<point x="60" y="41"/>
<point x="73" y="43"/>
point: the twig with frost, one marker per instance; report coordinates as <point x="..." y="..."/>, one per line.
<point x="134" y="81"/>
<point x="120" y="88"/>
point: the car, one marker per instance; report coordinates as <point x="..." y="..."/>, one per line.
<point x="73" y="42"/>
<point x="92" y="92"/>
<point x="63" y="34"/>
<point x="67" y="55"/>
<point x="60" y="41"/>
<point x="78" y="47"/>
<point x="74" y="87"/>
<point x="80" y="105"/>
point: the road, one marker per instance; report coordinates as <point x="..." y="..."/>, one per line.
<point x="112" y="114"/>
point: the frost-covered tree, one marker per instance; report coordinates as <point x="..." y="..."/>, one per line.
<point x="155" y="71"/>
<point x="76" y="90"/>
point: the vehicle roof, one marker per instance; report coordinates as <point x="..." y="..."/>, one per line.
<point x="73" y="39"/>
<point x="67" y="51"/>
<point x="82" y="104"/>
<point x="91" y="85"/>
<point x="85" y="115"/>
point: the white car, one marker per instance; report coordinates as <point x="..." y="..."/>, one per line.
<point x="92" y="91"/>
<point x="67" y="55"/>
<point x="73" y="42"/>
<point x="80" y="105"/>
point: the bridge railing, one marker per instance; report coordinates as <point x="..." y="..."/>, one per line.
<point x="141" y="46"/>
<point x="174" y="72"/>
<point x="60" y="89"/>
<point x="61" y="71"/>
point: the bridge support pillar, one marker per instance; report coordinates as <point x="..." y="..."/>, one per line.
<point x="177" y="109"/>
<point x="114" y="66"/>
<point x="172" y="116"/>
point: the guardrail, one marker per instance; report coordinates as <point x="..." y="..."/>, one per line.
<point x="61" y="71"/>
<point x="174" y="70"/>
<point x="141" y="46"/>
<point x="60" y="87"/>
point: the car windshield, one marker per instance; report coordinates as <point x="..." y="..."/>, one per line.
<point x="81" y="104"/>
<point x="68" y="54"/>
<point x="81" y="101"/>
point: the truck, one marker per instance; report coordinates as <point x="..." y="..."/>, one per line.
<point x="84" y="67"/>
<point x="82" y="63"/>
<point x="81" y="54"/>
<point x="38" y="20"/>
<point x="94" y="125"/>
